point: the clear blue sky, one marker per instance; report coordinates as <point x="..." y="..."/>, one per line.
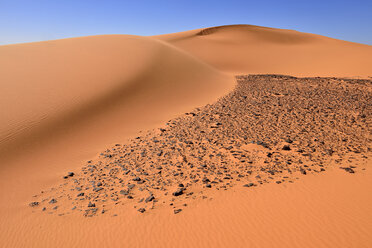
<point x="36" y="20"/>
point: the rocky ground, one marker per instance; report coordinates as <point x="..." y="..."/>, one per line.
<point x="270" y="129"/>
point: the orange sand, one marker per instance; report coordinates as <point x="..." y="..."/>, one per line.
<point x="245" y="49"/>
<point x="64" y="101"/>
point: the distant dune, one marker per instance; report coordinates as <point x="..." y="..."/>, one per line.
<point x="242" y="49"/>
<point x="65" y="101"/>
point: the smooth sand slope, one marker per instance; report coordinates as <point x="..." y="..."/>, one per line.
<point x="98" y="83"/>
<point x="63" y="102"/>
<point x="243" y="49"/>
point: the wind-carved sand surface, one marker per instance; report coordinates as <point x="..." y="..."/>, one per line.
<point x="243" y="49"/>
<point x="155" y="160"/>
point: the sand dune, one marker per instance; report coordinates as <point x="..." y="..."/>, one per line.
<point x="107" y="84"/>
<point x="64" y="102"/>
<point x="244" y="49"/>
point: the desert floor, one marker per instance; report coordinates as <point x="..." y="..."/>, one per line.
<point x="193" y="139"/>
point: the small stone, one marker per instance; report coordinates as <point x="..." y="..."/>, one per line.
<point x="91" y="205"/>
<point x="98" y="189"/>
<point x="141" y="210"/>
<point x="53" y="201"/>
<point x="150" y="198"/>
<point x="124" y="192"/>
<point x="69" y="174"/>
<point x="34" y="204"/>
<point x="348" y="169"/>
<point x="249" y="185"/>
<point x="176" y="211"/>
<point x="205" y="180"/>
<point x="286" y="148"/>
<point x="178" y="192"/>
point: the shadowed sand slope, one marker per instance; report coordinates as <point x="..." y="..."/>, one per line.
<point x="242" y="49"/>
<point x="96" y="89"/>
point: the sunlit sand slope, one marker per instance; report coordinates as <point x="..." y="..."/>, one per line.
<point x="242" y="49"/>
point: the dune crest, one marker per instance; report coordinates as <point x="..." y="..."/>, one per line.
<point x="245" y="49"/>
<point x="94" y="87"/>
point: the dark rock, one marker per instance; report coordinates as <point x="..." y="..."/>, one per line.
<point x="286" y="148"/>
<point x="98" y="189"/>
<point x="205" y="180"/>
<point x="289" y="141"/>
<point x="178" y="192"/>
<point x="150" y="198"/>
<point x="249" y="185"/>
<point x="303" y="171"/>
<point x="271" y="172"/>
<point x="52" y="201"/>
<point x="176" y="211"/>
<point x="80" y="194"/>
<point x="91" y="205"/>
<point x="69" y="174"/>
<point x="348" y="169"/>
<point x="124" y="192"/>
<point x="141" y="210"/>
<point x="34" y="204"/>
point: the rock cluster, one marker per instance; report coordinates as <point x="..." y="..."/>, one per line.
<point x="270" y="129"/>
